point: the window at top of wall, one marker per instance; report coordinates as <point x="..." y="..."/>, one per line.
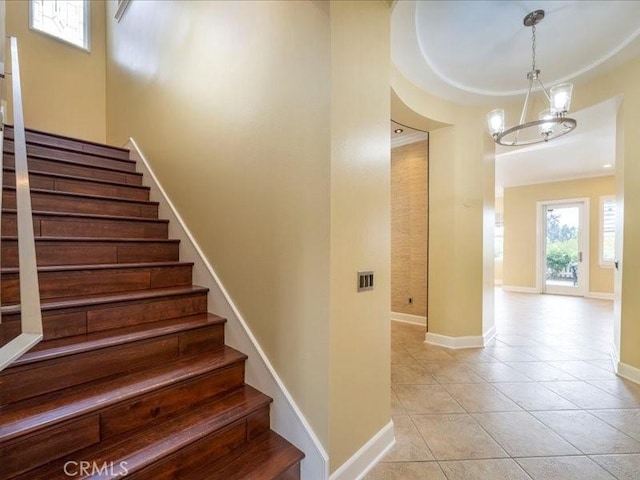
<point x="65" y="20"/>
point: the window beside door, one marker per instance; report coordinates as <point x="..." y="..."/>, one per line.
<point x="607" y="230"/>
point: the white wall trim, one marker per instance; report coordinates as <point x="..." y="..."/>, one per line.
<point x="615" y="357"/>
<point x="515" y="288"/>
<point x="489" y="335"/>
<point x="408" y="318"/>
<point x="286" y="417"/>
<point x="475" y="341"/>
<point x="628" y="372"/>
<point x="599" y="295"/>
<point x="369" y="454"/>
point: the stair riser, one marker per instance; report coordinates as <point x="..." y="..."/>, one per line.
<point x="85" y="253"/>
<point x="78" y="321"/>
<point x="70" y="143"/>
<point x="85" y="159"/>
<point x="292" y="473"/>
<point x="208" y="449"/>
<point x="27" y="381"/>
<point x="53" y="202"/>
<point x="85" y="171"/>
<point x="93" y="282"/>
<point x="52" y="226"/>
<point x="53" y="442"/>
<point x="45" y="182"/>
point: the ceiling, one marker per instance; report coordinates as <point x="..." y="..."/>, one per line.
<point x="403" y="135"/>
<point x="478" y="53"/>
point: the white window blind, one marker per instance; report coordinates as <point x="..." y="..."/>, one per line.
<point x="607" y="230"/>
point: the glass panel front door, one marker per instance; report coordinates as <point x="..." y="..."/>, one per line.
<point x="563" y="253"/>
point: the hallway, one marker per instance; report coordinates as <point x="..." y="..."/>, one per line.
<point x="541" y="402"/>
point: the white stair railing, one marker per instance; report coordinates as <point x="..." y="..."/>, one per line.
<point x="30" y="313"/>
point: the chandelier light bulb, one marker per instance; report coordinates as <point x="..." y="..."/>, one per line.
<point x="561" y="98"/>
<point x="495" y="119"/>
<point x="546" y="128"/>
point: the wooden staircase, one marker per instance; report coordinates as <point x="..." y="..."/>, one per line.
<point x="133" y="378"/>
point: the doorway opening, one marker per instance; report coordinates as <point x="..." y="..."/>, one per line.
<point x="564" y="247"/>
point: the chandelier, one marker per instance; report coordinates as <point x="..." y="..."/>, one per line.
<point x="552" y="122"/>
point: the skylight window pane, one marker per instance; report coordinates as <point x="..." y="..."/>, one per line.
<point x="63" y="19"/>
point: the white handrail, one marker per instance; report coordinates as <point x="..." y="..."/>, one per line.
<point x="30" y="313"/>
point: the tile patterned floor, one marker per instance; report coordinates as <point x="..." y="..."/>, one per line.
<point x="541" y="402"/>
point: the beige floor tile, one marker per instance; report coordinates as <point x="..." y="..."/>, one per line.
<point x="510" y="354"/>
<point x="494" y="469"/>
<point x="409" y="447"/>
<point x="627" y="421"/>
<point x="547" y="353"/>
<point x="534" y="396"/>
<point x="604" y="364"/>
<point x="480" y="397"/>
<point x="400" y="356"/>
<point x="563" y="468"/>
<point x="517" y="341"/>
<point x="586" y="353"/>
<point x="396" y="405"/>
<point x="583" y="370"/>
<point x="621" y="388"/>
<point x="585" y="395"/>
<point x="540" y="371"/>
<point x="476" y="355"/>
<point x="456" y="437"/>
<point x="498" y="372"/>
<point x="522" y="435"/>
<point x="406" y="471"/>
<point x="426" y="399"/>
<point x="623" y="467"/>
<point x="452" y="373"/>
<point x="413" y="374"/>
<point x="588" y="433"/>
<point x="425" y="353"/>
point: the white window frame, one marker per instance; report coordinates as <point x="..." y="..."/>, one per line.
<point x="87" y="28"/>
<point x="604" y="263"/>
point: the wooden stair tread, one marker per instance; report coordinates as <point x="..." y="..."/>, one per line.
<point x="70" y="161"/>
<point x="61" y="347"/>
<point x="87" y="196"/>
<point x="101" y="266"/>
<point x="263" y="458"/>
<point x="89" y="216"/>
<point x="87" y="300"/>
<point x="157" y="442"/>
<point x="95" y="239"/>
<point x="63" y="176"/>
<point x="30" y="140"/>
<point x="29" y="415"/>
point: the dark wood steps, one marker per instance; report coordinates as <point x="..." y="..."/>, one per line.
<point x="76" y="280"/>
<point x="53" y="201"/>
<point x="132" y="367"/>
<point x="221" y="425"/>
<point x="56" y="140"/>
<point x="82" y="251"/>
<point x="267" y="457"/>
<point x="62" y="224"/>
<point x="96" y="313"/>
<point x="69" y="167"/>
<point x="73" y="184"/>
<point x="127" y="352"/>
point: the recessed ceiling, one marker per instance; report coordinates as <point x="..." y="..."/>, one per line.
<point x="474" y="51"/>
<point x="404" y="135"/>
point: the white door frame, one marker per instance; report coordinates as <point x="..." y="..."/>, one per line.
<point x="585" y="233"/>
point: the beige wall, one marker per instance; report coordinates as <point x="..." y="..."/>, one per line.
<point x="278" y="161"/>
<point x="498" y="262"/>
<point x="63" y="87"/>
<point x="360" y="225"/>
<point x="409" y="229"/>
<point x="520" y="228"/>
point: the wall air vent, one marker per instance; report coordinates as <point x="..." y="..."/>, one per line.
<point x="365" y="281"/>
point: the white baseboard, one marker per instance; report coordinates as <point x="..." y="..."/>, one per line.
<point x="286" y="417"/>
<point x="599" y="295"/>
<point x="615" y="356"/>
<point x="366" y="458"/>
<point x="515" y="288"/>
<point x="498" y="282"/>
<point x="488" y="336"/>
<point x="628" y="372"/>
<point x="407" y="318"/>
<point x="476" y="341"/>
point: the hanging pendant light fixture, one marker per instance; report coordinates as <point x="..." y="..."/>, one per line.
<point x="552" y="122"/>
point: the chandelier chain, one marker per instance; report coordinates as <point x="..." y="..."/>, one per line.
<point x="533" y="48"/>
